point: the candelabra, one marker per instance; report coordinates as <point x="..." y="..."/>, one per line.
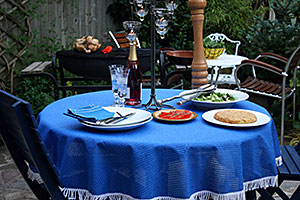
<point x="159" y="18"/>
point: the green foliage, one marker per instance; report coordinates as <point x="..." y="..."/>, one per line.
<point x="208" y="43"/>
<point x="229" y="17"/>
<point x="273" y="36"/>
<point x="37" y="91"/>
<point x="280" y="36"/>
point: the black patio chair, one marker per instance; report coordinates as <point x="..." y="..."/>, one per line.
<point x="279" y="70"/>
<point x="19" y="131"/>
<point x="289" y="170"/>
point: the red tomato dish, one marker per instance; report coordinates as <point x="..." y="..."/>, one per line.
<point x="174" y="115"/>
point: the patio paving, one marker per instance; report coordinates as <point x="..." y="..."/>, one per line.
<point x="13" y="186"/>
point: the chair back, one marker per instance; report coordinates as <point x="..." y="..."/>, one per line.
<point x="120" y="39"/>
<point x="222" y="37"/>
<point x="18" y="129"/>
<point x="294" y="59"/>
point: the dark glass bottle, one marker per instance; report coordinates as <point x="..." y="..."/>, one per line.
<point x="134" y="85"/>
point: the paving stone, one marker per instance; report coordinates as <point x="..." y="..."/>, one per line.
<point x="9" y="175"/>
<point x="19" y="185"/>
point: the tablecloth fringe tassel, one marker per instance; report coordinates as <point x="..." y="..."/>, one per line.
<point x="206" y="195"/>
<point x="270" y="181"/>
<point x="34" y="176"/>
<point x="82" y="194"/>
<point x="278" y="161"/>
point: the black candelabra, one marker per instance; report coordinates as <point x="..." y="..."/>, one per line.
<point x="162" y="30"/>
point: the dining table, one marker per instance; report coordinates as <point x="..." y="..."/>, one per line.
<point x="159" y="160"/>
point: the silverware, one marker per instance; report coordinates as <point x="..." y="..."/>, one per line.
<point x="202" y="88"/>
<point x="118" y="119"/>
<point x="86" y="118"/>
<point x="194" y="96"/>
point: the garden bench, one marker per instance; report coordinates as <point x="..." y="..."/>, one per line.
<point x="39" y="69"/>
<point x="289" y="170"/>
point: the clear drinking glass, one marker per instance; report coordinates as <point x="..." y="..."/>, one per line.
<point x="122" y="85"/>
<point x="115" y="73"/>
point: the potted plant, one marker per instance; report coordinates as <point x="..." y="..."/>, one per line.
<point x="213" y="48"/>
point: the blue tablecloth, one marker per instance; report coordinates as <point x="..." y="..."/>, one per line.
<point x="158" y="160"/>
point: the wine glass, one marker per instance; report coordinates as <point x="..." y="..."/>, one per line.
<point x="115" y="73"/>
<point x="122" y="85"/>
<point x="131" y="27"/>
<point x="171" y="5"/>
<point x="142" y="8"/>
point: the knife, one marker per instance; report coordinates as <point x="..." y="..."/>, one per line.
<point x="118" y="119"/>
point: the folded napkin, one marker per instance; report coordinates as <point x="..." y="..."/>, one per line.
<point x="90" y="113"/>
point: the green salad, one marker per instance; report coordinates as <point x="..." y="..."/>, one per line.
<point x="215" y="97"/>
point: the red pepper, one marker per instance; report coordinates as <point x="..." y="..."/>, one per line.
<point x="177" y="114"/>
<point x="107" y="49"/>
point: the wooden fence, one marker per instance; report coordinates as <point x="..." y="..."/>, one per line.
<point x="69" y="19"/>
<point x="55" y="21"/>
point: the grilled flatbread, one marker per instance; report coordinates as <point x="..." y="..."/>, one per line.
<point x="235" y="117"/>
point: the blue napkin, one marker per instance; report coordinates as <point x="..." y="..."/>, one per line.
<point x="90" y="113"/>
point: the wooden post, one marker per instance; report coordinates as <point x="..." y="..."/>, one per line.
<point x="199" y="65"/>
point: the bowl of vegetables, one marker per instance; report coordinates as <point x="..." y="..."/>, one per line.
<point x="220" y="98"/>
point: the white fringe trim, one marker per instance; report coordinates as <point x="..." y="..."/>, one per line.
<point x="270" y="181"/>
<point x="82" y="194"/>
<point x="34" y="176"/>
<point x="278" y="161"/>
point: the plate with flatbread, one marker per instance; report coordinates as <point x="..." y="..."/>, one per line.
<point x="236" y="117"/>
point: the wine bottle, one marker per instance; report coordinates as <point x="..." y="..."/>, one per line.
<point x="134" y="84"/>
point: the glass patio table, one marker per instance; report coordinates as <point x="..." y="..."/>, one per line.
<point x="192" y="160"/>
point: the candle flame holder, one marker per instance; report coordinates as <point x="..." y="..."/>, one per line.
<point x="161" y="26"/>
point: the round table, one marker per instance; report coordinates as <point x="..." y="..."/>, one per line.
<point x="158" y="160"/>
<point x="224" y="61"/>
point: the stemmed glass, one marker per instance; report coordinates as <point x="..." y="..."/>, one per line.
<point x="171" y="5"/>
<point x="142" y="8"/>
<point x="122" y="83"/>
<point x="131" y="27"/>
<point x="162" y="16"/>
<point x="115" y="73"/>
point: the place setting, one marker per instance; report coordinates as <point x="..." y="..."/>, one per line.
<point x="217" y="105"/>
<point x="115" y="117"/>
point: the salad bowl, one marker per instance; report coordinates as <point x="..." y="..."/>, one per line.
<point x="220" y="98"/>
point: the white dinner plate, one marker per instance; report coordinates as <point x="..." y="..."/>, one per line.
<point x="117" y="127"/>
<point x="238" y="95"/>
<point x="139" y="116"/>
<point x="261" y="118"/>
